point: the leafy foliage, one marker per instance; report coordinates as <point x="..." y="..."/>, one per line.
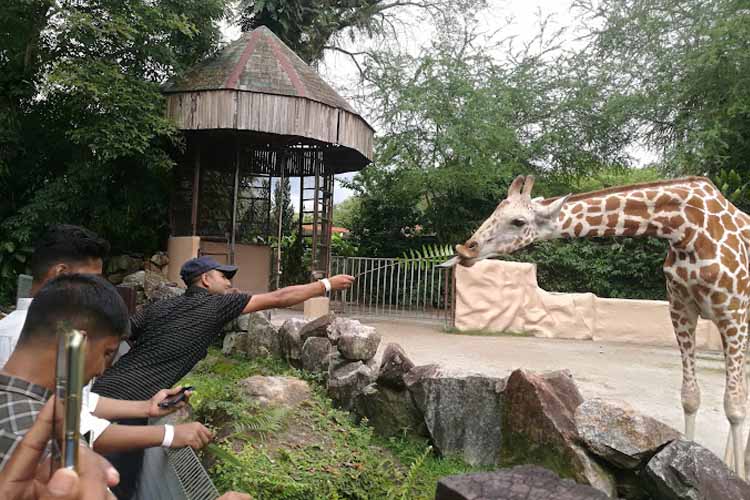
<point x="83" y="134"/>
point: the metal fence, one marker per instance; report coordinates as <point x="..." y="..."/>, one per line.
<point x="394" y="288"/>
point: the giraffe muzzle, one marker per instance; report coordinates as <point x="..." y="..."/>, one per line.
<point x="468" y="251"/>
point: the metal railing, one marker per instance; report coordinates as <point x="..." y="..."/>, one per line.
<point x="394" y="287"/>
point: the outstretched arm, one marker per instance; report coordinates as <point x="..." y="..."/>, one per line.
<point x="291" y="295"/>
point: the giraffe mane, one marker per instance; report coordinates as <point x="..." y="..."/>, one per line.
<point x="630" y="187"/>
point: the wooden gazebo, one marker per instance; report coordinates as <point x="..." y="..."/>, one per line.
<point x="254" y="112"/>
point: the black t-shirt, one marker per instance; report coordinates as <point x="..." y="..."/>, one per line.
<point x="170" y="337"/>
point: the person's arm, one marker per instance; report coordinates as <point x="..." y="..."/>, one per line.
<point x="112" y="409"/>
<point x="291" y="295"/>
<point x="118" y="438"/>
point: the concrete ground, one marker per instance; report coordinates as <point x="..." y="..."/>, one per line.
<point x="649" y="378"/>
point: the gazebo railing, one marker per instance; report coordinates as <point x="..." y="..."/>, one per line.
<point x="394" y="288"/>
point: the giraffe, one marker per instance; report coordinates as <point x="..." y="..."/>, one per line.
<point x="707" y="267"/>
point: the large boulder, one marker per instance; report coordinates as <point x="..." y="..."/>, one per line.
<point x="119" y="266"/>
<point x="285" y="392"/>
<point x="263" y="337"/>
<point x="316" y="328"/>
<point x="524" y="482"/>
<point x="290" y="341"/>
<point x="315" y="354"/>
<point x="393" y="366"/>
<point x="340" y="326"/>
<point x="539" y="427"/>
<point x="164" y="291"/>
<point x="359" y="344"/>
<point x="235" y="343"/>
<point x="347" y="379"/>
<point x="684" y="470"/>
<point x="619" y="434"/>
<point x="388" y="411"/>
<point x="462" y="412"/>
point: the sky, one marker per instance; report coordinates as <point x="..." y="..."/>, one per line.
<point x="518" y="18"/>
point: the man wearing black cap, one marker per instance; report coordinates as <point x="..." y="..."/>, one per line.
<point x="170" y="336"/>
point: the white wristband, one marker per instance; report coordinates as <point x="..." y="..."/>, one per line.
<point x="326" y="283"/>
<point x="168" y="436"/>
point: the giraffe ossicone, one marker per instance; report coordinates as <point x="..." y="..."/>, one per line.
<point x="707" y="267"/>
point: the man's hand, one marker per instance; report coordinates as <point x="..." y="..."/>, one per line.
<point x="194" y="434"/>
<point x="24" y="477"/>
<point x="154" y="410"/>
<point x="341" y="281"/>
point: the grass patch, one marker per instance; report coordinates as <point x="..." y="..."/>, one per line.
<point x="313" y="451"/>
<point x="487" y="333"/>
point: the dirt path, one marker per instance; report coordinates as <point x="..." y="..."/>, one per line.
<point x="649" y="378"/>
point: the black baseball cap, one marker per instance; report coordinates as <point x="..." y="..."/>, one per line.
<point x="195" y="267"/>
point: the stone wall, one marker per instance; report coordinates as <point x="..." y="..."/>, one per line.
<point x="526" y="418"/>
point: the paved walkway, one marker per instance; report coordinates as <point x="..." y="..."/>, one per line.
<point x="649" y="378"/>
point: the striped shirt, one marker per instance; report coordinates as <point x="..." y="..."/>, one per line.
<point x="170" y="336"/>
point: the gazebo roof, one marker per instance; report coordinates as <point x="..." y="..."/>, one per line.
<point x="258" y="87"/>
<point x="259" y="62"/>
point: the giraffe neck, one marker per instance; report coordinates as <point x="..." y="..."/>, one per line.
<point x="672" y="211"/>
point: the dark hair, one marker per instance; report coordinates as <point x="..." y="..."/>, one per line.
<point x="82" y="301"/>
<point x="64" y="243"/>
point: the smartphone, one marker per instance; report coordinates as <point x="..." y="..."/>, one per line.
<point x="71" y="357"/>
<point x="173" y="400"/>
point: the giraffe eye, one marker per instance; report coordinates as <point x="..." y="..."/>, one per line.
<point x="518" y="222"/>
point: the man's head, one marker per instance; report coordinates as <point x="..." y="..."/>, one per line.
<point x="84" y="302"/>
<point x="67" y="249"/>
<point x="206" y="273"/>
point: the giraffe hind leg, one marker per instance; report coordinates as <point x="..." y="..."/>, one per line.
<point x="684" y="321"/>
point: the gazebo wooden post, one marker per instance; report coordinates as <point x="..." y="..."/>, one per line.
<point x="234" y="203"/>
<point x="279" y="208"/>
<point x="196" y="184"/>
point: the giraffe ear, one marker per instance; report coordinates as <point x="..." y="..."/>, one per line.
<point x="528" y="185"/>
<point x="552" y="211"/>
<point x="515" y="187"/>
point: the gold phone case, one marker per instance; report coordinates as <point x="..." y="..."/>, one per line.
<point x="71" y="355"/>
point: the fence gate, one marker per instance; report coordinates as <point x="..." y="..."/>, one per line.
<point x="407" y="288"/>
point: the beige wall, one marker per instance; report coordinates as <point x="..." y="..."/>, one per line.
<point x="180" y="249"/>
<point x="254" y="262"/>
<point x="504" y="296"/>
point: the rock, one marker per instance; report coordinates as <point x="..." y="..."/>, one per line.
<point x="315" y="354"/>
<point x="393" y="366"/>
<point x="389" y="412"/>
<point x="360" y="344"/>
<point x="524" y="482"/>
<point x="285" y="392"/>
<point x="619" y="434"/>
<point x="235" y="343"/>
<point x="183" y="415"/>
<point x="462" y="412"/>
<point x="135" y="280"/>
<point x="539" y="427"/>
<point x="290" y="341"/>
<point x="123" y="264"/>
<point x="346" y="381"/>
<point x="263" y="338"/>
<point x="165" y="291"/>
<point x="316" y="328"/>
<point x="340" y="326"/>
<point x="159" y="259"/>
<point x="684" y="470"/>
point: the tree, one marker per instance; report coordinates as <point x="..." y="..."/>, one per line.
<point x="83" y="134"/>
<point x="282" y="202"/>
<point x="683" y="66"/>
<point x="345" y="212"/>
<point x="310" y="28"/>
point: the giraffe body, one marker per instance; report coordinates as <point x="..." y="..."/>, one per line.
<point x="707" y="267"/>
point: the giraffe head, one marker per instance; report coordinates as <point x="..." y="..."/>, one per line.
<point x="517" y="222"/>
